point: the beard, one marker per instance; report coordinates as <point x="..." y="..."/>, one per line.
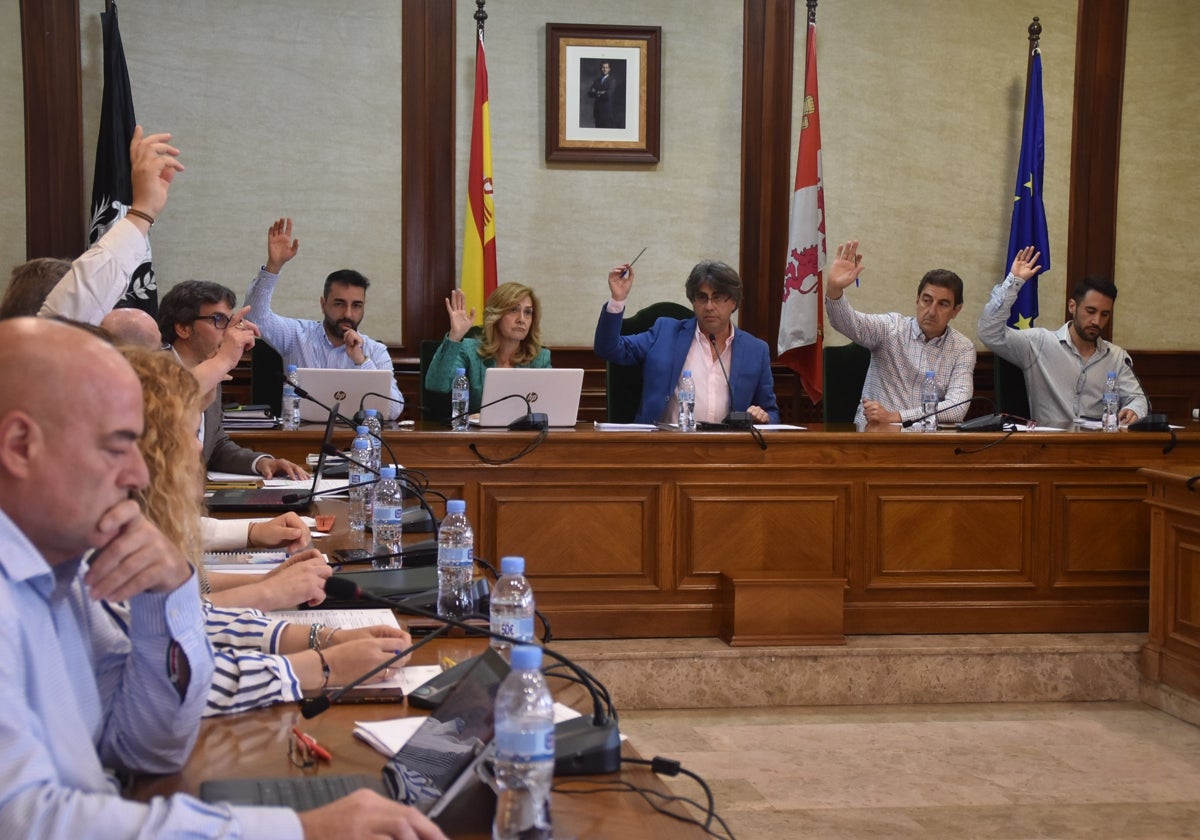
<point x="338" y="328"/>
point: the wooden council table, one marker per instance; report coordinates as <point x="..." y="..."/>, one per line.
<point x="255" y="745"/>
<point x="645" y="534"/>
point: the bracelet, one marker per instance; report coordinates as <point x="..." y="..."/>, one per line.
<point x="329" y="638"/>
<point x="133" y="211"/>
<point x="325" y="672"/>
<point x="314" y="637"/>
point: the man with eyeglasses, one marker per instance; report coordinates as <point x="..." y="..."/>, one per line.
<point x="708" y="345"/>
<point x="333" y="342"/>
<point x="904" y="348"/>
<point x="196" y="319"/>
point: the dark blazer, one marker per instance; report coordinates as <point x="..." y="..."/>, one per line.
<point x="220" y="453"/>
<point x="662" y="350"/>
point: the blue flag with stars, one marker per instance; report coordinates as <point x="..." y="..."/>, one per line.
<point x="1029" y="214"/>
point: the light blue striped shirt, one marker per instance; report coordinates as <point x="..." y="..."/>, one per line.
<point x="303" y="343"/>
<point x="249" y="671"/>
<point x="82" y="701"/>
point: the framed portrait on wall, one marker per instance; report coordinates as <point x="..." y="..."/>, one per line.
<point x="602" y="93"/>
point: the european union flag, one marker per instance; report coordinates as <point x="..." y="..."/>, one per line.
<point x="1029" y="214"/>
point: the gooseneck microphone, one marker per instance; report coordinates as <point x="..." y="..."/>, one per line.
<point x="532" y="421"/>
<point x="303" y="394"/>
<point x="589" y="747"/>
<point x="310" y="707"/>
<point x="735" y="419"/>
<point x="290" y="498"/>
<point x="408" y="483"/>
<point x="360" y="415"/>
<point x="910" y="423"/>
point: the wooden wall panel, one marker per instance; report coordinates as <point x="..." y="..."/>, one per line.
<point x="576" y="535"/>
<point x="929" y="533"/>
<point x="758" y="529"/>
<point x="1101" y="533"/>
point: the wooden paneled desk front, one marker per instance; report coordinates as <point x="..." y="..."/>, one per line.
<point x="629" y="534"/>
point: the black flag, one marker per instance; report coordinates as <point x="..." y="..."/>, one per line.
<point x="112" y="191"/>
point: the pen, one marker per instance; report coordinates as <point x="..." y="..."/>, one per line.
<point x="311" y="742"/>
<point x="632" y="261"/>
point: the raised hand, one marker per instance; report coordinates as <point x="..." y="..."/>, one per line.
<point x="152" y="166"/>
<point x="1024" y="264"/>
<point x="844" y="269"/>
<point x="460" y="319"/>
<point x="620" y="281"/>
<point x="280" y="245"/>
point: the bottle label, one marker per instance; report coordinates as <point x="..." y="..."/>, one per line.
<point x="358" y="478"/>
<point x="514" y="628"/>
<point x="386" y="515"/>
<point x="449" y="556"/>
<point x="537" y="745"/>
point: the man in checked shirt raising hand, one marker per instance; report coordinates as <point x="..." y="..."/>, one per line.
<point x="903" y="347"/>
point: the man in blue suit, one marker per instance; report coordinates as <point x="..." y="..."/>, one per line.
<point x="672" y="346"/>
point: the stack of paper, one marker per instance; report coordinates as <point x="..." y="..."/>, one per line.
<point x="248" y="417"/>
<point x="388" y="736"/>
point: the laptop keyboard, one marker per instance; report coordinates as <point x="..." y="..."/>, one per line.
<point x="299" y="794"/>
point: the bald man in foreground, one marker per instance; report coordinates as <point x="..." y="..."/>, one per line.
<point x="81" y="698"/>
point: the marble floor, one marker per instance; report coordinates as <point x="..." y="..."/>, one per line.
<point x="1120" y="770"/>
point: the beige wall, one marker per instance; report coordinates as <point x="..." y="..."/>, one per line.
<point x="12" y="142"/>
<point x="293" y="108"/>
<point x="280" y="108"/>
<point x="1158" y="203"/>
<point x="921" y="107"/>
<point x="559" y="227"/>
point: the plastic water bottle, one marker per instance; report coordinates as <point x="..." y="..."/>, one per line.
<point x="524" y="726"/>
<point x="290" y="376"/>
<point x="687" y="402"/>
<point x="512" y="605"/>
<point x="289" y="409"/>
<point x="929" y="402"/>
<point x="375" y="432"/>
<point x="460" y="400"/>
<point x="1112" y="404"/>
<point x="456" y="562"/>
<point x="360" y="490"/>
<point x="385" y="521"/>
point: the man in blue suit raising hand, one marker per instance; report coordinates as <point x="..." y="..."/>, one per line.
<point x="672" y="346"/>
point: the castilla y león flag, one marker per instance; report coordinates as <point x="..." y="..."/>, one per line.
<point x="800" y="316"/>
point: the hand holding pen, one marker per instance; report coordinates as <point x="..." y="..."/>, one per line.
<point x="620" y="279"/>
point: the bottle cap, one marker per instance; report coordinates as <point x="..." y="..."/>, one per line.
<point x="512" y="565"/>
<point x="687" y="373"/>
<point x="460" y="371"/>
<point x="291" y="368"/>
<point x="359" y="443"/>
<point x="371" y="412"/>
<point x="289" y="391"/>
<point x="456" y="506"/>
<point x="387" y="472"/>
<point x="526" y="657"/>
<point x="361" y="430"/>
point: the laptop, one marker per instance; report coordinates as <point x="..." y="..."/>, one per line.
<point x="459" y="801"/>
<point x="550" y="391"/>
<point x="330" y="385"/>
<point x="273" y="499"/>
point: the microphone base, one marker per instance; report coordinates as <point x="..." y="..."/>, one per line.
<point x="739" y="420"/>
<point x="584" y="748"/>
<point x="533" y="422"/>
<point x="1153" y="422"/>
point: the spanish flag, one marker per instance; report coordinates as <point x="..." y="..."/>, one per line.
<point x="479" y="233"/>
